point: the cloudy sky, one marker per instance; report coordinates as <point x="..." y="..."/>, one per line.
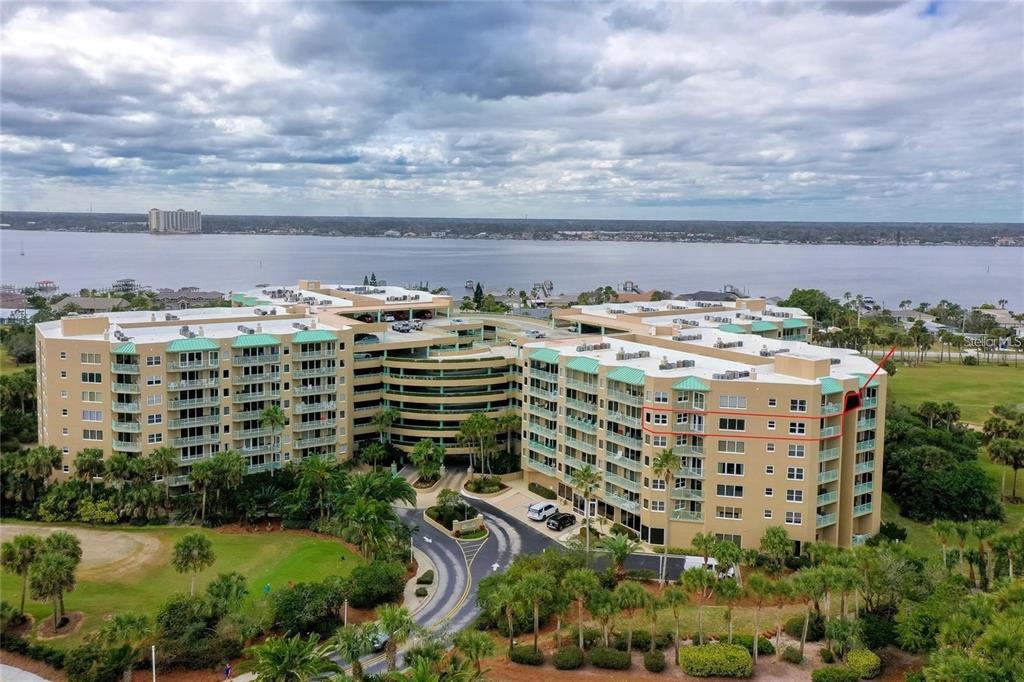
<point x="779" y="111"/>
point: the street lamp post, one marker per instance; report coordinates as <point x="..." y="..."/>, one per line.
<point x="152" y="658"/>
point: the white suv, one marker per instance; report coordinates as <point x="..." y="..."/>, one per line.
<point x="539" y="511"/>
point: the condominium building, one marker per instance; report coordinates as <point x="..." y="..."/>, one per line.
<point x="177" y="222"/>
<point x="771" y="429"/>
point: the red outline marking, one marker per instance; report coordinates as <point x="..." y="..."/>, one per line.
<point x="877" y="369"/>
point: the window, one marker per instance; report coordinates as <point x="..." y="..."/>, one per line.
<point x="660" y="418"/>
<point x="771" y="424"/>
<point x="681" y="417"/>
<point x="794" y="518"/>
<point x="65" y="431"/>
<point x="63" y="411"/>
<point x="734" y="513"/>
<point x="90" y="358"/>
<point x="152" y="360"/>
<point x="154" y="419"/>
<point x="767" y="513"/>
<point x="794" y="495"/>
<point x="63" y="355"/>
<point x="155" y="400"/>
<point x="797" y="405"/>
<point x="735" y="447"/>
<point x="92" y="434"/>
<point x="730" y="468"/>
<point x="683" y="398"/>
<point x="769" y="492"/>
<point x="769" y="470"/>
<point x="91" y="377"/>
<point x="796" y="450"/>
<point x="63" y="374"/>
<point x="729" y="424"/>
<point x="772" y="402"/>
<point x="156" y="438"/>
<point x="657" y="505"/>
<point x="91" y="396"/>
<point x="92" y="416"/>
<point x="660" y="441"/>
<point x="657" y="484"/>
<point x="660" y="397"/>
<point x="795" y="473"/>
<point x="769" y="447"/>
<point x="154" y="380"/>
<point x="63" y="394"/>
<point x="732" y="402"/>
<point x="797" y="427"/>
<point x="728" y="490"/>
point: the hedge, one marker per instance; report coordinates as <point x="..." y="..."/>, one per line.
<point x="610" y="659"/>
<point x="792" y="655"/>
<point x="654" y="661"/>
<point x="827" y="656"/>
<point x="421" y="592"/>
<point x="376" y="583"/>
<point x="642" y="640"/>
<point x="526" y="655"/>
<point x="764" y="645"/>
<point x="716" y="660"/>
<point x="538" y="489"/>
<point x="834" y="674"/>
<point x="794" y="627"/>
<point x="591" y="635"/>
<point x="427" y="578"/>
<point x="40" y="652"/>
<point x="568" y="658"/>
<point x="865" y="663"/>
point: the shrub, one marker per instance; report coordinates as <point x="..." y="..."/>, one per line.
<point x="642" y="640"/>
<point x="914" y="676"/>
<point x="865" y="663"/>
<point x="485" y="485"/>
<point x="970" y="360"/>
<point x="643" y="575"/>
<point x="547" y="494"/>
<point x="421" y="592"/>
<point x="427" y="578"/>
<point x="764" y="645"/>
<point x="834" y="674"/>
<point x="591" y="635"/>
<point x="568" y="658"/>
<point x="525" y="655"/>
<point x="41" y="652"/>
<point x="827" y="656"/>
<point x="619" y="529"/>
<point x="610" y="659"/>
<point x="792" y="655"/>
<point x="308" y="607"/>
<point x="795" y="563"/>
<point x="794" y="627"/>
<point x="654" y="661"/>
<point x="376" y="583"/>
<point x="877" y="631"/>
<point x="716" y="660"/>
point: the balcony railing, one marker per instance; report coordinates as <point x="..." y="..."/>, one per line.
<point x="243" y="360"/>
<point x="865" y="445"/>
<point x="623" y="461"/>
<point x="827" y="498"/>
<point x="193" y="383"/>
<point x="125" y="408"/>
<point x="316" y="441"/>
<point x="257" y="395"/>
<point x="690" y="472"/>
<point x="125" y="388"/>
<point x="588" y="386"/>
<point x="624" y="418"/>
<point x="255" y="378"/>
<point x="543" y="393"/>
<point x="869" y="402"/>
<point x="829" y="454"/>
<point x="263" y="466"/>
<point x="830" y="431"/>
<point x="544" y="375"/>
<point x="314" y="372"/>
<point x="306" y="408"/>
<point x="205" y="439"/>
<point x="863" y="424"/>
<point x="622" y="481"/>
<point x="694" y="427"/>
<point x="831" y="408"/>
<point x="127" y="446"/>
<point x="828" y="475"/>
<point x="245" y="415"/>
<point x="264" y="449"/>
<point x="316" y="354"/>
<point x="207" y="401"/>
<point x="689" y="450"/>
<point x="864" y="467"/>
<point x="862" y="488"/>
<point x="574" y="462"/>
<point x="542" y="430"/>
<point x="687" y="494"/>
<point x="125" y="368"/>
<point x="581" y="424"/>
<point x="635" y="443"/>
<point x="620" y="501"/>
<point x="251" y="433"/>
<point x="627" y="398"/>
<point x="125" y="427"/>
<point x="589" y="448"/>
<point x="540" y="447"/>
<point x="540" y="466"/>
<point x="687" y="515"/>
<point x="826" y="519"/>
<point x="862" y="509"/>
<point x="311" y="425"/>
<point x="208" y="420"/>
<point x="543" y="412"/>
<point x="191" y="364"/>
<point x="581" y="405"/>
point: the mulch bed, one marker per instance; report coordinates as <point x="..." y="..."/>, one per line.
<point x="74" y="621"/>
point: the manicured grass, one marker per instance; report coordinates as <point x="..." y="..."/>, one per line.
<point x="9" y="366"/>
<point x="264" y="558"/>
<point x="974" y="389"/>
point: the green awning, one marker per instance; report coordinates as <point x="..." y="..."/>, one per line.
<point x="732" y="328"/>
<point x="548" y="355"/>
<point x="255" y="340"/>
<point x="690" y="384"/>
<point x="761" y="326"/>
<point x="198" y="343"/>
<point x="793" y="323"/>
<point x="829" y="386"/>
<point x="863" y="379"/>
<point x="313" y="336"/>
<point x="627" y="375"/>
<point x="581" y="364"/>
<point x="125" y="349"/>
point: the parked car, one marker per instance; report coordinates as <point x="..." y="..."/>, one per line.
<point x="378" y="640"/>
<point x="561" y="520"/>
<point x="389" y="318"/>
<point x="539" y="511"/>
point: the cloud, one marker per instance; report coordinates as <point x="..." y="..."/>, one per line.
<point x="830" y="111"/>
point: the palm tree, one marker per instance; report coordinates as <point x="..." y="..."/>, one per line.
<point x="475" y="645"/>
<point x="192" y="553"/>
<point x="295" y="659"/>
<point x="665" y="465"/>
<point x="89" y="466"/>
<point x="381" y="485"/>
<point x="983" y="530"/>
<point x="318" y="477"/>
<point x="126" y="629"/>
<point x="603" y="606"/>
<point x="227" y="592"/>
<point x="781" y="591"/>
<point x="510" y="422"/>
<point x="586" y="480"/>
<point x="630" y="596"/>
<point x="1010" y="453"/>
<point x="705" y="544"/>
<point x="272" y="417"/>
<point x="943" y="530"/>
<point x="476" y="433"/>
<point x="579" y="582"/>
<point x="427" y="457"/>
<point x="675" y="598"/>
<point x="651" y="609"/>
<point x="560" y="604"/>
<point x="962" y="531"/>
<point x="118" y="469"/>
<point x="52" y="575"/>
<point x="164" y="462"/>
<point x="810" y="587"/>
<point x="728" y="591"/>
<point x="383" y="421"/>
<point x="538" y="588"/>
<point x="353" y="642"/>
<point x="760" y="589"/>
<point x="398" y="624"/>
<point x="619" y="548"/>
<point x="66" y="544"/>
<point x="17" y="556"/>
<point x="202" y="475"/>
<point x="372" y="521"/>
<point x="699" y="583"/>
<point x="728" y="555"/>
<point x="507" y="602"/>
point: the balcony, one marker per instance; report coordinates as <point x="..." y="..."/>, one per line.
<point x="695" y="427"/>
<point x="829" y="454"/>
<point x="543" y="412"/>
<point x="316" y="354"/>
<point x="827" y="498"/>
<point x="316" y="441"/>
<point x="255" y="378"/>
<point x="205" y="439"/>
<point x="831" y="408"/>
<point x="869" y="402"/>
<point x="634" y="443"/>
<point x="540" y="466"/>
<point x="125" y="388"/>
<point x="588" y="386"/>
<point x="582" y="425"/>
<point x="246" y="360"/>
<point x="192" y="383"/>
<point x="828" y="475"/>
<point x="826" y="519"/>
<point x="315" y="424"/>
<point x="687" y="494"/>
<point x="575" y="462"/>
<point x="622" y="481"/>
<point x="864" y="467"/>
<point x="251" y="433"/>
<point x="127" y="446"/>
<point x="624" y="419"/>
<point x="124" y="368"/>
<point x="190" y="364"/>
<point x="125" y="427"/>
<point x="306" y="408"/>
<point x="689" y="450"/>
<point x="264" y="466"/>
<point x="542" y="430"/>
<point x="830" y="431"/>
<point x="620" y="501"/>
<point x="627" y="398"/>
<point x="256" y="395"/>
<point x="544" y="375"/>
<point x="543" y="393"/>
<point x="687" y="515"/>
<point x="623" y="461"/>
<point x="125" y="408"/>
<point x="690" y="472"/>
<point x="863" y="488"/>
<point x="581" y="405"/>
<point x="208" y="401"/>
<point x="865" y="445"/>
<point x="863" y="424"/>
<point x="862" y="509"/>
<point x="540" y="447"/>
<point x="208" y="420"/>
<point x="589" y="448"/>
<point x="245" y="415"/>
<point x="264" y="449"/>
<point x="314" y="372"/>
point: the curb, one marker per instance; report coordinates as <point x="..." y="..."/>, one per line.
<point x="437" y="526"/>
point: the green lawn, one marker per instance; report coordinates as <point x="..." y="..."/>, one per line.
<point x="264" y="558"/>
<point x="7" y="365"/>
<point x="974" y="389"/>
